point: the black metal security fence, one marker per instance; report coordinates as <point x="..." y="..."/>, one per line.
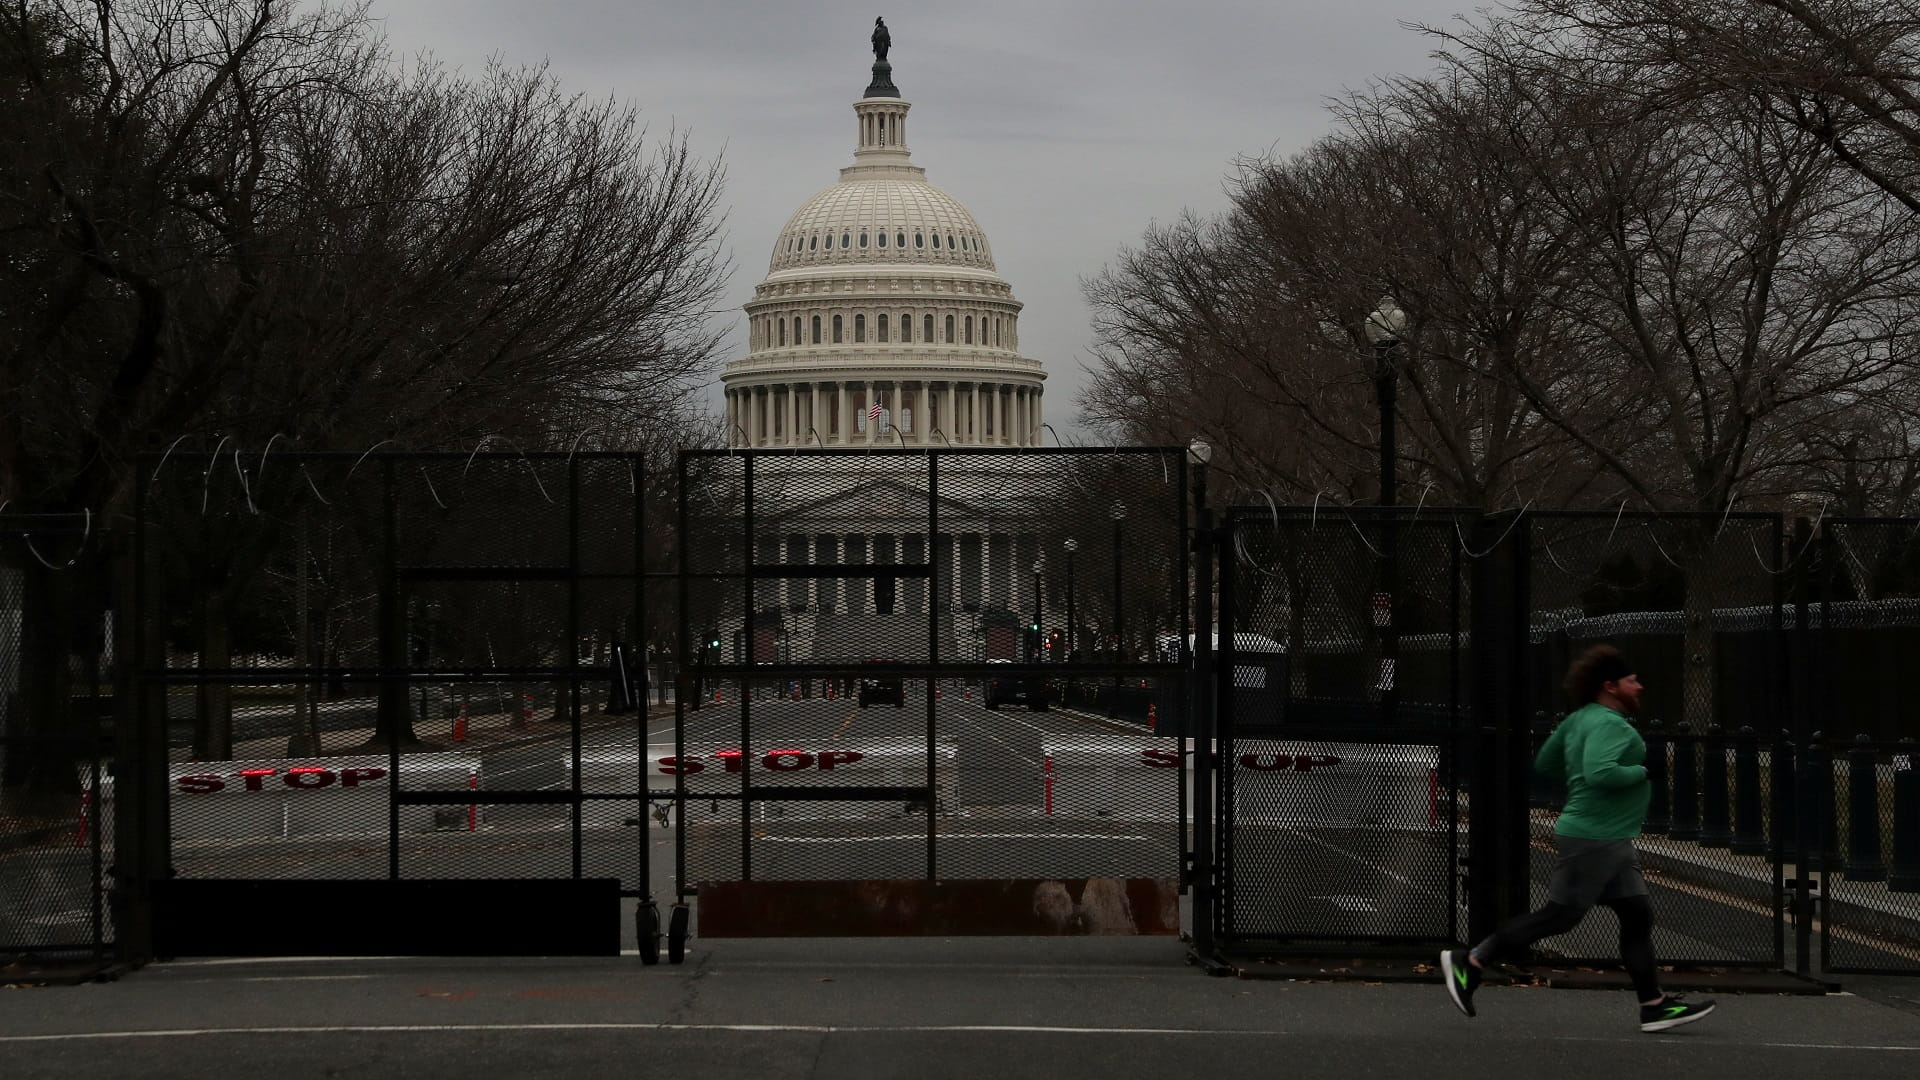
<point x="876" y="644"/>
<point x="57" y="654"/>
<point x="372" y="690"/>
<point x="1368" y="650"/>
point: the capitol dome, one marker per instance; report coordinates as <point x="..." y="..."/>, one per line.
<point x="882" y="319"/>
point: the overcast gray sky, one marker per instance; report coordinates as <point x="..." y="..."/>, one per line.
<point x="1066" y="126"/>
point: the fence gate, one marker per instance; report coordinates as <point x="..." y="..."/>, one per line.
<point x="376" y="697"/>
<point x="1339" y="674"/>
<point x="56" y="737"/>
<point x="876" y="733"/>
<point x="1860" y="780"/>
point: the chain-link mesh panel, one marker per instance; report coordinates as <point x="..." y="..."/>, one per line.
<point x="481" y="612"/>
<point x="1693" y="601"/>
<point x="57" y="649"/>
<point x="1865" y="801"/>
<point x="951" y="636"/>
<point x="1340" y="698"/>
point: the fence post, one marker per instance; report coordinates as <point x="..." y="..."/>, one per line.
<point x="1786" y="800"/>
<point x="1659" y="806"/>
<point x="1863" y="813"/>
<point x="1686" y="785"/>
<point x="1905" y="873"/>
<point x="1820" y="795"/>
<point x="1713" y="789"/>
<point x="1749" y="830"/>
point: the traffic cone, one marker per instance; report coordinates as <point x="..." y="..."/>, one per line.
<point x="719" y="696"/>
<point x="526" y="708"/>
<point x="460" y="724"/>
<point x="1153" y="717"/>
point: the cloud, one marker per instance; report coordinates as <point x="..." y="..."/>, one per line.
<point x="1067" y="127"/>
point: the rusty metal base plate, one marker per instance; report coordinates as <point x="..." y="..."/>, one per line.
<point x="1008" y="907"/>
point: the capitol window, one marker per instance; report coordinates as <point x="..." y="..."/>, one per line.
<point x="860" y="328"/>
<point x="927" y="330"/>
<point x="783" y="331"/>
<point x="881" y="239"/>
<point x="843" y="241"/>
<point x="796" y="330"/>
<point x="816" y="329"/>
<point x="900" y="239"/>
<point x="813" y="243"/>
<point x="936" y="241"/>
<point x="919" y="240"/>
<point x="906" y="327"/>
<point x="880" y="329"/>
<point x="949" y="329"/>
<point x="949" y="240"/>
<point x="969" y="329"/>
<point x="836" y="329"/>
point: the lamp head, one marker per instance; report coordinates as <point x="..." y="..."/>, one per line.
<point x="1199" y="452"/>
<point x="1071" y="545"/>
<point x="1118" y="511"/>
<point x="1387" y="323"/>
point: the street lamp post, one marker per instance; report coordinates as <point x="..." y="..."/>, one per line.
<point x="1118" y="512"/>
<point x="1200" y="721"/>
<point x="1033" y="633"/>
<point x="1386" y="328"/>
<point x="1073" y="626"/>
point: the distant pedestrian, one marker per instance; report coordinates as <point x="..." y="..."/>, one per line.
<point x="1600" y="757"/>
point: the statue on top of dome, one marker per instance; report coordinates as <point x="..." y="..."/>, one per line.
<point x="882" y="41"/>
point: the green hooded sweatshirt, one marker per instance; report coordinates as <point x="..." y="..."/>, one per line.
<point x="1599" y="755"/>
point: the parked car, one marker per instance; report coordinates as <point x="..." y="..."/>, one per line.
<point x="880" y="687"/>
<point x="1030" y="691"/>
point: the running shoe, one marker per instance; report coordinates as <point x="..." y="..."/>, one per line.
<point x="1673" y="1011"/>
<point x="1462" y="978"/>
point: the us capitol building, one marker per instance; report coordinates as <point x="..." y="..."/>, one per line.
<point x="882" y="290"/>
<point x="883" y="323"/>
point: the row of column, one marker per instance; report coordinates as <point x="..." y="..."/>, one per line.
<point x="829" y="414"/>
<point x="983" y="570"/>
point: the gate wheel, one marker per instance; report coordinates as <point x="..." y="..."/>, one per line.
<point x="677" y="934"/>
<point x="646" y="926"/>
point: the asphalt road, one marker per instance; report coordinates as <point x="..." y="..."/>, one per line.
<point x="1009" y="1008"/>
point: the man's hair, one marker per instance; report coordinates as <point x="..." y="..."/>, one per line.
<point x="1599" y="664"/>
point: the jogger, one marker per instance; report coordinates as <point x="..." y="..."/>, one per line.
<point x="1599" y="755"/>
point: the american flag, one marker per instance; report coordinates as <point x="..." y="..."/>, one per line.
<point x="874" y="413"/>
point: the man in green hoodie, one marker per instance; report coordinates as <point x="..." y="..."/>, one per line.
<point x="1599" y="756"/>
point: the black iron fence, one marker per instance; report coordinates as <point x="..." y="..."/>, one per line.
<point x="1783" y="801"/>
<point x="57" y="705"/>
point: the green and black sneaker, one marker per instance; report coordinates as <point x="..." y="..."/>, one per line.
<point x="1462" y="978"/>
<point x="1673" y="1011"/>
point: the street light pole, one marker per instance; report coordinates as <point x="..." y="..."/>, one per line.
<point x="1118" y="512"/>
<point x="1201" y="718"/>
<point x="1033" y="635"/>
<point x="1073" y="626"/>
<point x="1386" y="327"/>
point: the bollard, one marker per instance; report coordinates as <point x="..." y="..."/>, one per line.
<point x="1153" y="717"/>
<point x="473" y="809"/>
<point x="1714" y="831"/>
<point x="1659" y="814"/>
<point x="1786" y="800"/>
<point x="1863" y="813"/>
<point x="1046" y="784"/>
<point x="1686" y="786"/>
<point x="1820" y="805"/>
<point x="1904" y="875"/>
<point x="80" y="827"/>
<point x="1749" y="829"/>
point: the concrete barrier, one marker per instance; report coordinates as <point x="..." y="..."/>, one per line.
<point x="287" y="798"/>
<point x="1278" y="782"/>
<point x="716" y="769"/>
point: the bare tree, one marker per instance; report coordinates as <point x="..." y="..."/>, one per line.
<point x="247" y="224"/>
